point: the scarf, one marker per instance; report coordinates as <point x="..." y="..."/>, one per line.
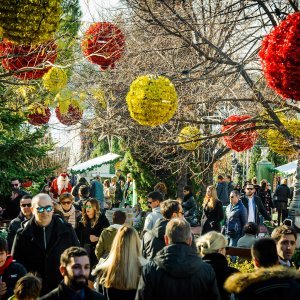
<point x="8" y="261"/>
<point x="70" y="216"/>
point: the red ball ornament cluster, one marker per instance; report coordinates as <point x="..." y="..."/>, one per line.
<point x="280" y="57"/>
<point x="103" y="44"/>
<point x="28" y="62"/>
<point x="38" y="119"/>
<point x="239" y="141"/>
<point x="71" y="117"/>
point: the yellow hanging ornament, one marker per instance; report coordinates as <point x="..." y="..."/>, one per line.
<point x="152" y="100"/>
<point x="55" y="80"/>
<point x="189" y="133"/>
<point x="278" y="143"/>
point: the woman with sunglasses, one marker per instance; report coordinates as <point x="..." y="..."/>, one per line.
<point x="119" y="274"/>
<point x="212" y="214"/>
<point x="92" y="223"/>
<point x="66" y="208"/>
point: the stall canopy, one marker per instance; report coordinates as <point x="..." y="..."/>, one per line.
<point x="94" y="163"/>
<point x="288" y="169"/>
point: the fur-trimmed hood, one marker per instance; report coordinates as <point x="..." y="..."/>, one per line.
<point x="238" y="282"/>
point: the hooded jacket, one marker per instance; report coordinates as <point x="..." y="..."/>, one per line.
<point x="153" y="240"/>
<point x="177" y="272"/>
<point x="276" y="283"/>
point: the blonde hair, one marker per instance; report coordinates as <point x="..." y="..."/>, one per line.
<point x="122" y="269"/>
<point x="210" y="201"/>
<point x="211" y="242"/>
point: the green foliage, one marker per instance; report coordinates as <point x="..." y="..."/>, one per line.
<point x="140" y="172"/>
<point x="243" y="267"/>
<point x="102" y="147"/>
<point x="21" y="149"/>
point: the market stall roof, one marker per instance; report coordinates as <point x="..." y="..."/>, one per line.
<point x="93" y="163"/>
<point x="289" y="168"/>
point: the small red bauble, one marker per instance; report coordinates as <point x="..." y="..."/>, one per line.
<point x="28" y="62"/>
<point x="27" y="184"/>
<point x="280" y="57"/>
<point x="38" y="119"/>
<point x="71" y="117"/>
<point x="103" y="44"/>
<point x="239" y="141"/>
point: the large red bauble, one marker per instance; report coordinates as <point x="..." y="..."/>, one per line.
<point x="71" y="117"/>
<point x="103" y="44"/>
<point x="28" y="62"/>
<point x="280" y="57"/>
<point x="239" y="141"/>
<point x="39" y="119"/>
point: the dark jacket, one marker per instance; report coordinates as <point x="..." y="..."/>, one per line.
<point x="235" y="219"/>
<point x="29" y="249"/>
<point x="115" y="294"/>
<point x="11" y="274"/>
<point x="13" y="209"/>
<point x="282" y="194"/>
<point x="13" y="227"/>
<point x="189" y="205"/>
<point x="266" y="199"/>
<point x="259" y="209"/>
<point x="84" y="232"/>
<point x="222" y="191"/>
<point x="230" y="188"/>
<point x="62" y="292"/>
<point x="222" y="270"/>
<point x="153" y="240"/>
<point x="214" y="218"/>
<point x="177" y="272"/>
<point x="276" y="283"/>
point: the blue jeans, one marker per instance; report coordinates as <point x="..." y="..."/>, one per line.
<point x="232" y="242"/>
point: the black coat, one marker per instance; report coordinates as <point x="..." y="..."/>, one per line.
<point x="259" y="208"/>
<point x="62" y="293"/>
<point x="189" y="205"/>
<point x="13" y="227"/>
<point x="29" y="249"/>
<point x="282" y="194"/>
<point x="276" y="283"/>
<point x="84" y="232"/>
<point x="153" y="240"/>
<point x="176" y="273"/>
<point x="222" y="270"/>
<point x="10" y="276"/>
<point x="214" y="218"/>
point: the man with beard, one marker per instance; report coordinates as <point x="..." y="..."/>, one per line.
<point x="13" y="205"/>
<point x="60" y="185"/>
<point x="75" y="269"/>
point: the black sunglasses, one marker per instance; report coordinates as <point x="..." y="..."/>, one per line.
<point x="26" y="205"/>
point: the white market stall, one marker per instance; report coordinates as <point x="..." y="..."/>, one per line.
<point x="288" y="169"/>
<point x="100" y="165"/>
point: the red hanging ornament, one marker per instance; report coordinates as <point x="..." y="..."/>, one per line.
<point x="280" y="57"/>
<point x="239" y="141"/>
<point x="71" y="117"/>
<point x="26" y="184"/>
<point x="28" y="62"/>
<point x="39" y="118"/>
<point x="103" y="44"/>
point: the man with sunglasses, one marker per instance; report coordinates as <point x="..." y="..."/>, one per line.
<point x="13" y="204"/>
<point x="41" y="241"/>
<point x="254" y="205"/>
<point x="24" y="215"/>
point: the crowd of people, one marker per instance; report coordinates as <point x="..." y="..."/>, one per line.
<point x="61" y="245"/>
